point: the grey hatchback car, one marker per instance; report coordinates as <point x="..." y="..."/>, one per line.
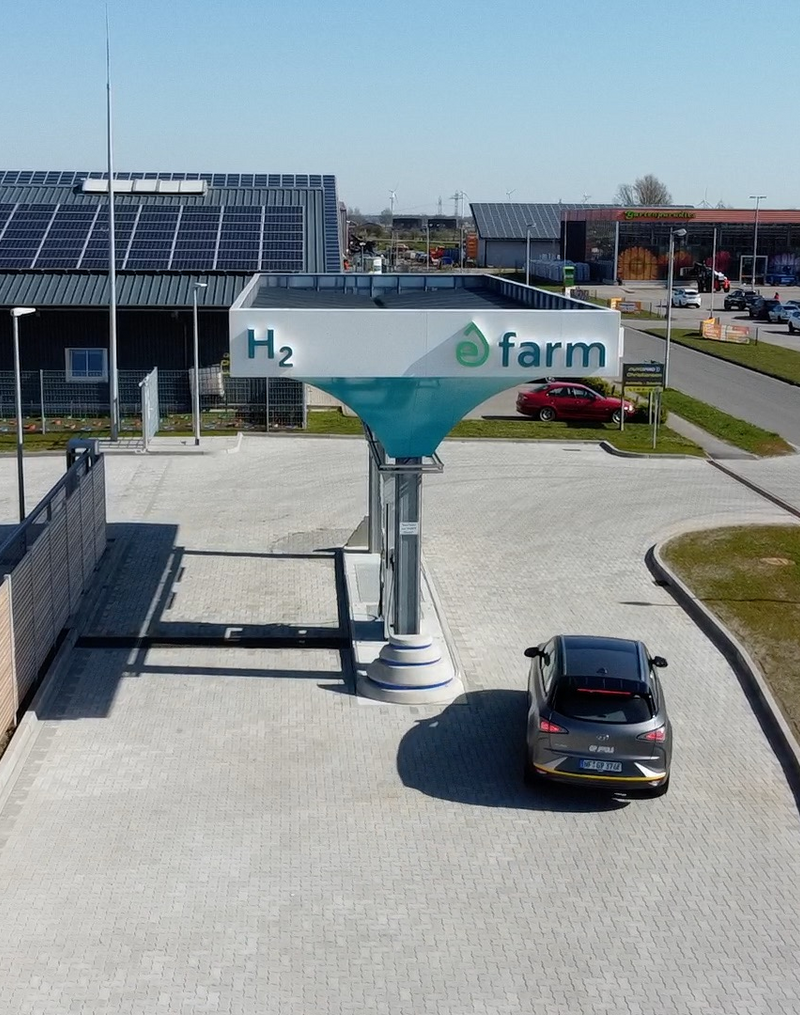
<point x="597" y="715"/>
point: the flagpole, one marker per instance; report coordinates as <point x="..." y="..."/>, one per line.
<point x="113" y="377"/>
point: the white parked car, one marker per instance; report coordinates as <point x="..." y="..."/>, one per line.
<point x="793" y="319"/>
<point x="782" y="310"/>
<point x="686" y="298"/>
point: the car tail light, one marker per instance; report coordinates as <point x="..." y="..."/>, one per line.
<point x="545" y="726"/>
<point x="656" y="736"/>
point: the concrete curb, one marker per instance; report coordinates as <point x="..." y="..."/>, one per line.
<point x="610" y="449"/>
<point x="757" y="691"/>
<point x="771" y="497"/>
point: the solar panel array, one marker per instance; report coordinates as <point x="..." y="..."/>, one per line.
<point x="153" y="237"/>
<point x="214" y="232"/>
<point x="27" y="177"/>
<point x="511" y="220"/>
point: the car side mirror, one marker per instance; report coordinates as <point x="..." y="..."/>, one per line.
<point x="533" y="652"/>
<point x="660" y="662"/>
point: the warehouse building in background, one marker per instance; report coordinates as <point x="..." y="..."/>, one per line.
<point x="173" y="230"/>
<point x="505" y="230"/>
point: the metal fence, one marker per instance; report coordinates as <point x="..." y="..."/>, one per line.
<point x="50" y="401"/>
<point x="46" y="565"/>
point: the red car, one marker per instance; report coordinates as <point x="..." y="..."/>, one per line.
<point x="565" y="400"/>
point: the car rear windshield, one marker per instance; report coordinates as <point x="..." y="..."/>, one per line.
<point x="581" y="700"/>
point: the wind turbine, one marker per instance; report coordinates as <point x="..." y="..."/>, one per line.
<point x="392" y="199"/>
<point x="509" y="193"/>
<point x="585" y="198"/>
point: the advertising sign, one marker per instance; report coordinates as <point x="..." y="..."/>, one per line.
<point x="625" y="306"/>
<point x="715" y="330"/>
<point x="642" y="376"/>
<point x="423" y="344"/>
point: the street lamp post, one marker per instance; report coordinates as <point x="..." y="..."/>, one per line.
<point x="527" y="255"/>
<point x="196" y="337"/>
<point x="16" y="313"/>
<point x="713" y="273"/>
<point x="757" y="198"/>
<point x="671" y="271"/>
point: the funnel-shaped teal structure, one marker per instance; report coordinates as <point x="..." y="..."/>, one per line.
<point x="411" y="416"/>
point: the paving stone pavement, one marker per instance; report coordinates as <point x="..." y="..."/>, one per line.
<point x="780" y="476"/>
<point x="226" y="830"/>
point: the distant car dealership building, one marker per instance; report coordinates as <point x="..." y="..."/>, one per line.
<point x="633" y="243"/>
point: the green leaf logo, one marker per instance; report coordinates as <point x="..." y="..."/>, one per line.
<point x="472" y="354"/>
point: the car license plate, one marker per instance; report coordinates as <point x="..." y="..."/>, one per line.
<point x="601" y="766"/>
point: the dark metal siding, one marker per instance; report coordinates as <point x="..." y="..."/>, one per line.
<point x="142" y="289"/>
<point x="145" y="338"/>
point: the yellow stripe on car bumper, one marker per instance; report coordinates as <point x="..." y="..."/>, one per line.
<point x="606" y="778"/>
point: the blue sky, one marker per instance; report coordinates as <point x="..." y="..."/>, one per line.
<point x="550" y="100"/>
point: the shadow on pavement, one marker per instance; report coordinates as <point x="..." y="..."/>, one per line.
<point x="474" y="755"/>
<point x="129" y="611"/>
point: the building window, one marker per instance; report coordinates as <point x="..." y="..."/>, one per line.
<point x="87" y="365"/>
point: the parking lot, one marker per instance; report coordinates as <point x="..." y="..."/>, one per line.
<point x="685" y="317"/>
<point x="230" y="830"/>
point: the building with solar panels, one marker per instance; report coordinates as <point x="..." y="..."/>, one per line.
<point x="172" y="230"/>
<point x="503" y="230"/>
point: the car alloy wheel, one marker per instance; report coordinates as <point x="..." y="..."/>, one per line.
<point x="616" y="416"/>
<point x="791" y="328"/>
<point x="547" y="414"/>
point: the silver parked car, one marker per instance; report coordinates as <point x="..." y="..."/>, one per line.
<point x="597" y="715"/>
<point x="781" y="311"/>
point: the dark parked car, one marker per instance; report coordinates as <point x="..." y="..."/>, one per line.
<point x="759" y="309"/>
<point x="568" y="400"/>
<point x="780" y="276"/>
<point x="739" y="299"/>
<point x="597" y="715"/>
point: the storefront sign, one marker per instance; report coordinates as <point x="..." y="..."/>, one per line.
<point x="410" y="343"/>
<point x="636" y="213"/>
<point x="642" y="376"/>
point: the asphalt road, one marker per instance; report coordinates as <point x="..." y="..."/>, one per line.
<point x="771" y="404"/>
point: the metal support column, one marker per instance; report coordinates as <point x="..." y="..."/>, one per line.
<point x="408" y="563"/>
<point x="375" y="508"/>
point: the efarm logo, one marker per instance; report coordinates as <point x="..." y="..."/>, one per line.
<point x="474" y="350"/>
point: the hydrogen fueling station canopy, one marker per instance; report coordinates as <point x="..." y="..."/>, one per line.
<point x="412" y="355"/>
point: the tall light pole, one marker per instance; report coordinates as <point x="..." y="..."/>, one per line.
<point x="113" y="373"/>
<point x="196" y="341"/>
<point x="527" y="255"/>
<point x="16" y="313"/>
<point x="462" y="194"/>
<point x="713" y="273"/>
<point x="757" y="198"/>
<point x="672" y="234"/>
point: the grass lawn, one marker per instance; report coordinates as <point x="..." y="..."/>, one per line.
<point x="749" y="576"/>
<point x="635" y="437"/>
<point x="768" y="359"/>
<point x="728" y="428"/>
